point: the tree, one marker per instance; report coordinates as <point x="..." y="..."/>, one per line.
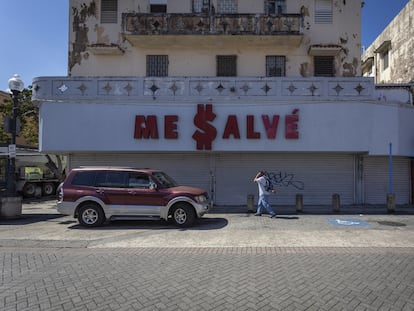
<point x="28" y="115"/>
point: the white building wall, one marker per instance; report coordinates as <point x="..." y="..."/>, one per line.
<point x="86" y="30"/>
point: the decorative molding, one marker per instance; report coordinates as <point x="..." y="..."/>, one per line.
<point x="200" y="88"/>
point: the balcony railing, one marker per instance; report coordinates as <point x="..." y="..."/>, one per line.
<point x="199" y="24"/>
<point x="194" y="89"/>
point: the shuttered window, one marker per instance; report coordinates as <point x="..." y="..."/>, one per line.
<point x="275" y="66"/>
<point x="323" y="12"/>
<point x="324" y="66"/>
<point x="157" y="65"/>
<point x="109" y="11"/>
<point x="226" y="65"/>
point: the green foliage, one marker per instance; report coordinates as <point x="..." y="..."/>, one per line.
<point x="28" y="115"/>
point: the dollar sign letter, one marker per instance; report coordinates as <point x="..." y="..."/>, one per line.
<point x="201" y="120"/>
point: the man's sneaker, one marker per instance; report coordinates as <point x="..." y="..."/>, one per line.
<point x="273" y="216"/>
<point x="257" y="214"/>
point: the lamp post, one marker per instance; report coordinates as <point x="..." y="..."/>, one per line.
<point x="16" y="86"/>
<point x="11" y="204"/>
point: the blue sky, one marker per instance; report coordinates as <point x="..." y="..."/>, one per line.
<point x="34" y="35"/>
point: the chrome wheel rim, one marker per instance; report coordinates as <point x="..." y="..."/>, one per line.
<point x="180" y="216"/>
<point x="90" y="216"/>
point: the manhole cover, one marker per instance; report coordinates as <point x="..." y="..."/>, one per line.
<point x="391" y="223"/>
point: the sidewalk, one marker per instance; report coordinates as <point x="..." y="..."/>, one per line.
<point x="323" y="210"/>
<point x="41" y="226"/>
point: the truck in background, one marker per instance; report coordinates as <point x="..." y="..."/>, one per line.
<point x="37" y="174"/>
<point x="34" y="181"/>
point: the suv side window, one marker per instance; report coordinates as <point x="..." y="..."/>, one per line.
<point x="84" y="179"/>
<point x="138" y="180"/>
<point x="111" y="179"/>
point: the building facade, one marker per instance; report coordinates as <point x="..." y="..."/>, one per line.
<point x="213" y="91"/>
<point x="389" y="59"/>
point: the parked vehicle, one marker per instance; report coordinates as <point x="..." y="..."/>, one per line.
<point x="32" y="182"/>
<point x="37" y="174"/>
<point x="94" y="195"/>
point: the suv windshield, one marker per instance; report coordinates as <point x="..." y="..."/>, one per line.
<point x="165" y="180"/>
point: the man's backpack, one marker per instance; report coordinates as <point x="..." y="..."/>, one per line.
<point x="268" y="184"/>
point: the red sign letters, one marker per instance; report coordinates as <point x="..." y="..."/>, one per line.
<point x="146" y="127"/>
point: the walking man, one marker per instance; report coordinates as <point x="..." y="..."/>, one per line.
<point x="261" y="181"/>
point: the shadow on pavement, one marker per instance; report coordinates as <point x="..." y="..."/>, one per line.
<point x="27" y="219"/>
<point x="200" y="224"/>
<point x="287" y="217"/>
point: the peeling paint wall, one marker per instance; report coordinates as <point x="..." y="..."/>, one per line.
<point x="80" y="15"/>
<point x="197" y="60"/>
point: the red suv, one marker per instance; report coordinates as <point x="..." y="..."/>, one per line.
<point x="94" y="195"/>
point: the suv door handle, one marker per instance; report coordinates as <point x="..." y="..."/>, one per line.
<point x="131" y="192"/>
<point x="100" y="191"/>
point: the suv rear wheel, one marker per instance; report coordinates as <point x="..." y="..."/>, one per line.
<point x="183" y="215"/>
<point x="91" y="215"/>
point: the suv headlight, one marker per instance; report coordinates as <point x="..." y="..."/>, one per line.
<point x="201" y="198"/>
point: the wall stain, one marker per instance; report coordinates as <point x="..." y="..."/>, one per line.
<point x="101" y="39"/>
<point x="304" y="68"/>
<point x="80" y="16"/>
<point x="350" y="69"/>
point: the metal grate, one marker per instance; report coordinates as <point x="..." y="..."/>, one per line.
<point x="109" y="11"/>
<point x="275" y="66"/>
<point x="227" y="6"/>
<point x="324" y="66"/>
<point x="226" y="65"/>
<point x="157" y="65"/>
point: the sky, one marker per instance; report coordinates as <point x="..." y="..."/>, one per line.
<point x="34" y="35"/>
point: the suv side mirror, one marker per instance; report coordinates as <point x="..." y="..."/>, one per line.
<point x="153" y="185"/>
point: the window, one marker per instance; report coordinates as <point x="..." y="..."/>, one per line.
<point x="275" y="66"/>
<point x="227" y="6"/>
<point x="384" y="54"/>
<point x="109" y="11"/>
<point x="157" y="65"/>
<point x="275" y="6"/>
<point x="84" y="179"/>
<point x="226" y="65"/>
<point x="385" y="60"/>
<point x="201" y="6"/>
<point x="324" y="66"/>
<point x="323" y="12"/>
<point x="158" y="6"/>
<point x="138" y="180"/>
<point x="111" y="179"/>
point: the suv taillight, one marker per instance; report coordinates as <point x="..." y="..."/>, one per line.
<point x="60" y="195"/>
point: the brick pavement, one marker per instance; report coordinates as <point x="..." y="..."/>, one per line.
<point x="233" y="278"/>
<point x="226" y="262"/>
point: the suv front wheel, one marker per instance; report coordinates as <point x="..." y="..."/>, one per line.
<point x="183" y="215"/>
<point x="91" y="215"/>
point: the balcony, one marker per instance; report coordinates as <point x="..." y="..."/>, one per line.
<point x="199" y="29"/>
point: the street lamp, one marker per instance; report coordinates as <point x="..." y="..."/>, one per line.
<point x="16" y="85"/>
